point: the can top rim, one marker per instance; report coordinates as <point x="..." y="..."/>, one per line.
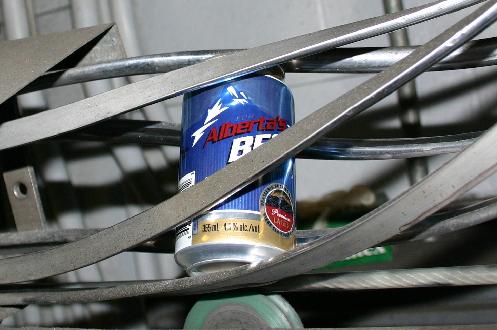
<point x="275" y="72"/>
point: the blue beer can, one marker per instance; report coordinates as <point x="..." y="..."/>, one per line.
<point x="221" y="124"/>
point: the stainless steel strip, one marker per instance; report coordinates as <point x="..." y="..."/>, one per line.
<point x="103" y="106"/>
<point x="477" y="53"/>
<point x="315" y="282"/>
<point x="236" y="175"/>
<point x="357" y="149"/>
<point x="333" y="247"/>
<point x="41" y="237"/>
<point x="162" y="133"/>
<point x="408" y="101"/>
<point x="390" y="279"/>
<point x="342" y="60"/>
<point x="16" y="243"/>
<point x="438" y="224"/>
<point x="447" y="222"/>
<point x="24" y="60"/>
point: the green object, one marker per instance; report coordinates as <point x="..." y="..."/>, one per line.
<point x="244" y="311"/>
<point x="369" y="256"/>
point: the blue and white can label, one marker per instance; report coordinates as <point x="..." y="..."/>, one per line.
<point x="220" y="125"/>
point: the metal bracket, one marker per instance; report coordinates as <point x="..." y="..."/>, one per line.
<point x="24" y="198"/>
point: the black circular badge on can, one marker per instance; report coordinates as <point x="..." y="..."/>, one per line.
<point x="277" y="209"/>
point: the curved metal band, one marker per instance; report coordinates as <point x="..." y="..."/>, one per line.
<point x="130" y="97"/>
<point x="19" y="66"/>
<point x="362" y="149"/>
<point x="315" y="282"/>
<point x="17" y="243"/>
<point x="477" y="53"/>
<point x="438" y="224"/>
<point x="389" y="279"/>
<point x="207" y="193"/>
<point x="162" y="133"/>
<point x="430" y="194"/>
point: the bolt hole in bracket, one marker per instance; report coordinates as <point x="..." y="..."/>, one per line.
<point x="20" y="190"/>
<point x="24" y="198"/>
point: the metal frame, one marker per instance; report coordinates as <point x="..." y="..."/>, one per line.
<point x="393" y="218"/>
<point x="476" y="53"/>
<point x="150" y="133"/>
<point x="127" y="98"/>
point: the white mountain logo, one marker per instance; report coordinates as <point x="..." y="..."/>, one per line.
<point x="217" y="109"/>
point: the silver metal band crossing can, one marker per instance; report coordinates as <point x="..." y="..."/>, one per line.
<point x="221" y="124"/>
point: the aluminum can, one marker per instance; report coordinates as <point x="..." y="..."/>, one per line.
<point x="221" y="124"/>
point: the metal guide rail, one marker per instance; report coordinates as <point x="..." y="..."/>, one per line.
<point x="398" y="218"/>
<point x="120" y="100"/>
<point x="162" y="133"/>
<point x="444" y="222"/>
<point x="476" y="53"/>
<point x="150" y="222"/>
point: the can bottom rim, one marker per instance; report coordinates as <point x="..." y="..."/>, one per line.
<point x="209" y="258"/>
<point x="214" y="266"/>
